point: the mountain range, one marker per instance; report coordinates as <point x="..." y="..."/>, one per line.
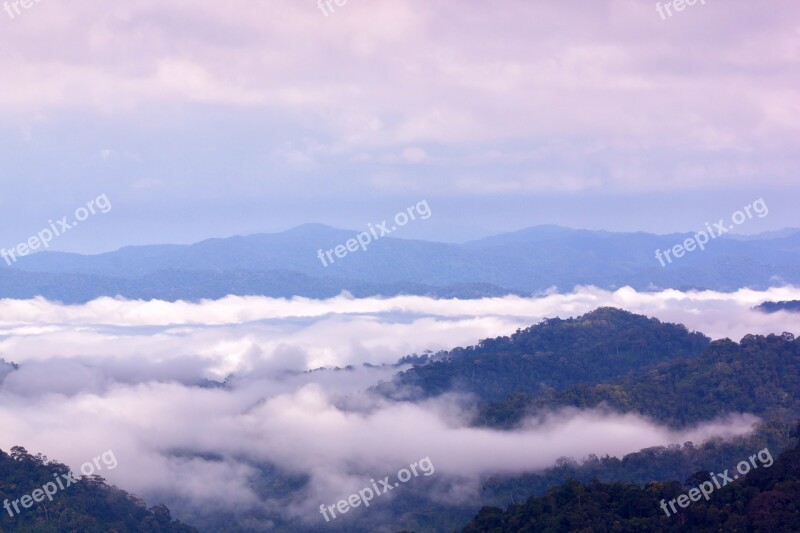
<point x="287" y="264"/>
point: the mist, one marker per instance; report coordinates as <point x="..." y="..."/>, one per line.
<point x="194" y="397"/>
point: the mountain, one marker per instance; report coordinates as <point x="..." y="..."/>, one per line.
<point x="85" y="503"/>
<point x="661" y="371"/>
<point x="287" y="263"/>
<point x="172" y="285"/>
<point x="551" y="356"/>
<point x="614" y="358"/>
<point x="759" y="375"/>
<point x="778" y="234"/>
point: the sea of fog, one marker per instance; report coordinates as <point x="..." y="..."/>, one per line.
<point x="139" y="378"/>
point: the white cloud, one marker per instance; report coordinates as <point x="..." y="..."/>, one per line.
<point x="395" y="73"/>
<point x="122" y="375"/>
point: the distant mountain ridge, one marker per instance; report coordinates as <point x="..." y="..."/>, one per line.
<point x="287" y="264"/>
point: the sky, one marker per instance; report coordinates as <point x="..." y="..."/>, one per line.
<point x="203" y="119"/>
<point x="199" y="119"/>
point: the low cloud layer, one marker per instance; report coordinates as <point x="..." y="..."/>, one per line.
<point x="131" y="376"/>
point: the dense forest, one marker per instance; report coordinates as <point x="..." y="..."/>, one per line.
<point x="88" y="505"/>
<point x="759" y="375"/>
<point x="615" y="359"/>
<point x="766" y="500"/>
<point x="553" y="355"/>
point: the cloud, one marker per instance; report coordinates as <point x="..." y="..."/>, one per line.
<point x="201" y="444"/>
<point x="623" y="98"/>
<point x="132" y="376"/>
<point x="414" y="155"/>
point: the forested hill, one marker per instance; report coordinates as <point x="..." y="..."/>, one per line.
<point x="553" y="355"/>
<point x="759" y="375"/>
<point x="86" y="506"/>
<point x="662" y="371"/>
<point x="766" y="500"/>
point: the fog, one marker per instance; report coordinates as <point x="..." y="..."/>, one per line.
<point x="133" y="377"/>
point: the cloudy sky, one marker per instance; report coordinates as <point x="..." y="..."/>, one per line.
<point x="201" y="118"/>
